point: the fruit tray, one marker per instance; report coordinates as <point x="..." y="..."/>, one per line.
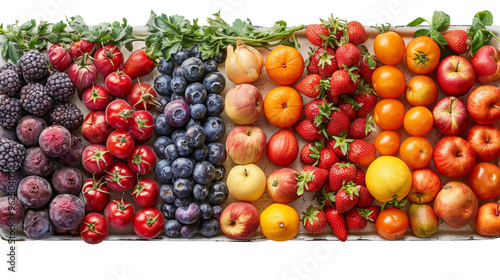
<point x="265" y="84"/>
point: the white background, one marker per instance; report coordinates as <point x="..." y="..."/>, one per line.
<point x="265" y="260"/>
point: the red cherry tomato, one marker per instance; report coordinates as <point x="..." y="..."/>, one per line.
<point x="94" y="228"/>
<point x="148" y="222"/>
<point x="142" y="159"/>
<point x="96" y="159"/>
<point x="120" y="143"/>
<point x="119" y="213"/>
<point x="143" y="125"/>
<point x="120" y="178"/>
<point x="392" y="223"/>
<point x="119" y="114"/>
<point x="118" y="83"/>
<point x="96" y="194"/>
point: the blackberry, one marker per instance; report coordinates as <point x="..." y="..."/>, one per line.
<point x="67" y="115"/>
<point x="11" y="155"/>
<point x="10" y="82"/>
<point x="33" y="66"/>
<point x="11" y="66"/>
<point x="10" y="111"/>
<point x="35" y="99"/>
<point x="60" y="87"/>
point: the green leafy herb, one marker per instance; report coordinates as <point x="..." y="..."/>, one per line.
<point x="440" y="22"/>
<point x="478" y="33"/>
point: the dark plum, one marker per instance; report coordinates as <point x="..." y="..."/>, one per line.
<point x="178" y="85"/>
<point x="11" y="212"/>
<point x="37" y="224"/>
<point x="195" y="93"/>
<point x="216" y="211"/>
<point x="194" y="51"/>
<point x="210" y="227"/>
<point x="162" y="85"/>
<point x="8" y="133"/>
<point x="66" y="211"/>
<point x="198" y="111"/>
<point x="203" y="172"/>
<point x="166" y="194"/>
<point x="182" y="146"/>
<point x="168" y="210"/>
<point x="192" y="69"/>
<point x="206" y="210"/>
<point x="200" y="192"/>
<point x="173" y="228"/>
<point x="188" y="214"/>
<point x="37" y="162"/>
<point x="163" y="171"/>
<point x="180" y="56"/>
<point x="9" y="181"/>
<point x="210" y="66"/>
<point x="34" y="192"/>
<point x="160" y="144"/>
<point x="215" y="104"/>
<point x="177" y="113"/>
<point x="183" y="202"/>
<point x="221" y="56"/>
<point x="171" y="152"/>
<point x="195" y="136"/>
<point x="214" y="129"/>
<point x="162" y="127"/>
<point x="28" y="130"/>
<point x="188" y="231"/>
<point x="220" y="173"/>
<point x="182" y="167"/>
<point x="67" y="180"/>
<point x="55" y="140"/>
<point x="162" y="102"/>
<point x="217" y="193"/>
<point x="216" y="153"/>
<point x="201" y="153"/>
<point x="74" y="156"/>
<point x="166" y="67"/>
<point x="178" y="133"/>
<point x="182" y="187"/>
<point x="214" y="82"/>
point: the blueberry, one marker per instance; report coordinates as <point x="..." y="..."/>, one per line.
<point x="178" y="85"/>
<point x="193" y="160"/>
<point x="195" y="136"/>
<point x="206" y="210"/>
<point x="216" y="211"/>
<point x="182" y="146"/>
<point x="214" y="104"/>
<point x="210" y="227"/>
<point x="221" y="56"/>
<point x="217" y="193"/>
<point x="180" y="56"/>
<point x="188" y="231"/>
<point x="173" y="228"/>
<point x="216" y="153"/>
<point x="167" y="194"/>
<point x="160" y="144"/>
<point x="192" y="122"/>
<point x="200" y="192"/>
<point x="178" y="133"/>
<point x="161" y="125"/>
<point x="182" y="167"/>
<point x="203" y="172"/>
<point x="214" y="82"/>
<point x="162" y="85"/>
<point x="201" y="153"/>
<point x="183" y="202"/>
<point x="198" y="111"/>
<point x="37" y="224"/>
<point x="162" y="102"/>
<point x="168" y="210"/>
<point x="177" y="72"/>
<point x="166" y="67"/>
<point x="192" y="69"/>
<point x="177" y="113"/>
<point x="183" y="187"/>
<point x="188" y="214"/>
<point x="171" y="152"/>
<point x="163" y="171"/>
<point x="210" y="65"/>
<point x="195" y="93"/>
<point x="176" y="96"/>
<point x="214" y="129"/>
<point x="220" y="173"/>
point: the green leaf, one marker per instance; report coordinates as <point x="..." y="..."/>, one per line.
<point x="438" y="37"/>
<point x="485" y="17"/>
<point x="440" y="21"/>
<point x="417" y="21"/>
<point x="280" y="23"/>
<point x="477" y="42"/>
<point x="422" y="32"/>
<point x="58" y="27"/>
<point x="28" y="26"/>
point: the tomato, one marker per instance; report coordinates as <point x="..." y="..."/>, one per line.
<point x="94" y="228"/>
<point x="142" y="96"/>
<point x="422" y="55"/>
<point x="145" y="192"/>
<point x="119" y="114"/>
<point x="96" y="98"/>
<point x="387" y="143"/>
<point x="138" y="64"/>
<point x="148" y="222"/>
<point x="421" y="90"/>
<point x="142" y="159"/>
<point x="108" y="59"/>
<point x="143" y="125"/>
<point x="119" y="213"/>
<point x="95" y="129"/>
<point x="418" y="121"/>
<point x="96" y="194"/>
<point x="96" y="159"/>
<point x="392" y="223"/>
<point x="120" y="178"/>
<point x="80" y="47"/>
<point x="59" y="58"/>
<point x="484" y="180"/>
<point x="388" y="81"/>
<point x="389" y="48"/>
<point x="118" y="83"/>
<point x="120" y="143"/>
<point x="389" y="114"/>
<point x="416" y="152"/>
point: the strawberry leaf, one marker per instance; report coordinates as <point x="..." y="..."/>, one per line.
<point x="440" y="21"/>
<point x="417" y="21"/>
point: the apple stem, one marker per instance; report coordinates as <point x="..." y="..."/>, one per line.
<point x="452" y="99"/>
<point x="496" y="106"/>
<point x="246" y="173"/>
<point x="497" y="211"/>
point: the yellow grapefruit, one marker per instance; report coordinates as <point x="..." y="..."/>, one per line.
<point x="388" y="178"/>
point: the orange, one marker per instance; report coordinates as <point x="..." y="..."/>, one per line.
<point x="388" y="81"/>
<point x="283" y="106"/>
<point x="416" y="152"/>
<point x="284" y="65"/>
<point x="387" y="143"/>
<point x="389" y="48"/>
<point x="279" y="222"/>
<point x="418" y="121"/>
<point x="421" y="90"/>
<point x="389" y="114"/>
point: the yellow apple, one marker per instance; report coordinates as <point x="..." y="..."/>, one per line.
<point x="246" y="182"/>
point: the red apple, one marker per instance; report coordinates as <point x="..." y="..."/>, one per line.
<point x="240" y="220"/>
<point x="282" y="185"/>
<point x="485" y="139"/>
<point x="244" y="104"/>
<point x="486" y="63"/>
<point x="484" y="104"/>
<point x="246" y="144"/>
<point x="450" y="116"/>
<point x="95" y="129"/>
<point x="455" y="75"/>
<point x="454" y="156"/>
<point x="488" y="219"/>
<point x="456" y="204"/>
<point x="282" y="148"/>
<point x="425" y="186"/>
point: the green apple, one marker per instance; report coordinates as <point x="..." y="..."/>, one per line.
<point x="423" y="220"/>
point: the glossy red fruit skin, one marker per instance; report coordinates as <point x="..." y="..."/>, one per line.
<point x="146" y="192"/>
<point x="120" y="143"/>
<point x="59" y="57"/>
<point x="82" y="73"/>
<point x="118" y="83"/>
<point x="119" y="114"/>
<point x="96" y="195"/>
<point x="96" y="159"/>
<point x="95" y="129"/>
<point x="142" y="159"/>
<point x="142" y="96"/>
<point x="282" y="147"/>
<point x="81" y="47"/>
<point x="119" y="213"/>
<point x="148" y="222"/>
<point x="96" y="97"/>
<point x="108" y="59"/>
<point x="94" y="228"/>
<point x="120" y="178"/>
<point x="142" y="126"/>
<point x="138" y="64"/>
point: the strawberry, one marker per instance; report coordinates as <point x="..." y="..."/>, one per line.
<point x="356" y="219"/>
<point x="327" y="63"/>
<point x="365" y="197"/>
<point x="375" y="210"/>
<point x="337" y="124"/>
<point x="367" y="100"/>
<point x="367" y="64"/>
<point x="362" y="152"/>
<point x="343" y="81"/>
<point x="360" y="177"/>
<point x="339" y="145"/>
<point x="327" y="158"/>
<point x="361" y="128"/>
<point x="348" y="106"/>
<point x="309" y="155"/>
<point x="337" y="223"/>
<point x="314" y="32"/>
<point x="308" y="130"/>
<point x="347" y="197"/>
<point x="339" y="174"/>
<point x="357" y="33"/>
<point x="314" y="220"/>
<point x="313" y="86"/>
<point x="347" y="55"/>
<point x="458" y="41"/>
<point x="312" y="66"/>
<point x="318" y="111"/>
<point x="311" y="179"/>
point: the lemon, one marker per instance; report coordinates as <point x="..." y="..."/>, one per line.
<point x="387" y="178"/>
